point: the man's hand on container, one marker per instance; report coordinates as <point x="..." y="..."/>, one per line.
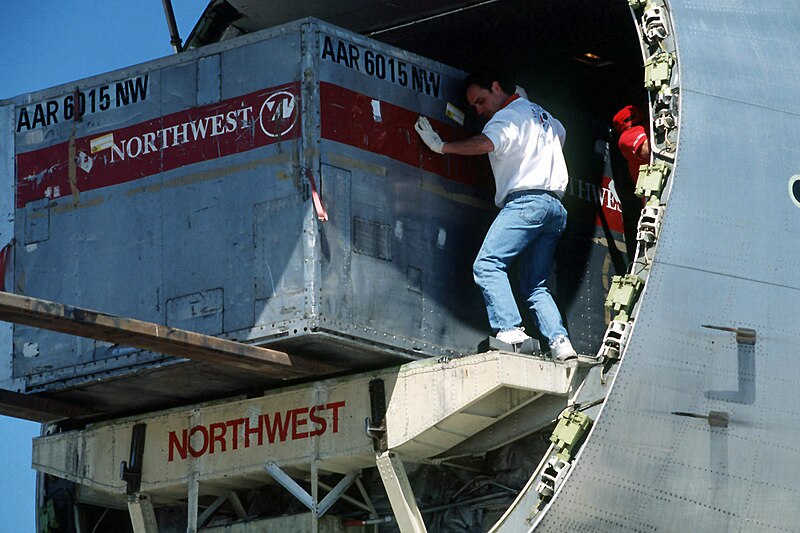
<point x="429" y="135"/>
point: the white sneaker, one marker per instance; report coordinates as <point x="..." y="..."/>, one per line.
<point x="561" y="350"/>
<point x="513" y="336"/>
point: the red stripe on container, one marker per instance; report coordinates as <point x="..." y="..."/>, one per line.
<point x="199" y="134"/>
<point x="347" y="117"/>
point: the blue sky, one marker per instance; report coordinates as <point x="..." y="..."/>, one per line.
<point x="46" y="43"/>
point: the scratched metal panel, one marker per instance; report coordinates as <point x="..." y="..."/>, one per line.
<point x="179" y="87"/>
<point x="199" y="311"/>
<point x="104" y="103"/>
<point x="391" y="260"/>
<point x="262" y="64"/>
<point x="7" y="234"/>
<point x="209" y="80"/>
<point x="83" y="247"/>
<point x="209" y="233"/>
<point x="280" y="284"/>
<point x="411" y="247"/>
<point x="444" y="219"/>
<point x="107" y="255"/>
<point x="727" y="256"/>
<point x="382" y="300"/>
<point x="140" y="247"/>
<point x="336" y="252"/>
<point x="453" y="311"/>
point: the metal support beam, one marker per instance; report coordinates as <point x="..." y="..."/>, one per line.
<point x="237" y="505"/>
<point x="289" y="484"/>
<point x="337" y="491"/>
<point x="194" y="495"/>
<point x="371" y="508"/>
<point x="174" y="36"/>
<point x="307" y="499"/>
<point x="143" y="518"/>
<point x="401" y="497"/>
<point x="314" y="497"/>
<point x="41" y="409"/>
<point x="345" y="497"/>
<point x="210" y="510"/>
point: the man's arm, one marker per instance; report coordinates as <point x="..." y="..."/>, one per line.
<point x="644" y="150"/>
<point x="477" y="145"/>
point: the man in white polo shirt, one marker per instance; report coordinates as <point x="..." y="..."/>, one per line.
<point x="524" y="145"/>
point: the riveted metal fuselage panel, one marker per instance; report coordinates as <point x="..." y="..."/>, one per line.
<point x="727" y="256"/>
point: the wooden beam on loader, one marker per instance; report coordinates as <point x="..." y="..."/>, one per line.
<point x="40" y="408"/>
<point x="154" y="337"/>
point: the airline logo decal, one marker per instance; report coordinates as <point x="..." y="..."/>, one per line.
<point x="200" y="134"/>
<point x="242" y="433"/>
<point x="278" y="114"/>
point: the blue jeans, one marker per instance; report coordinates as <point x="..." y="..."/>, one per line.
<point x="528" y="226"/>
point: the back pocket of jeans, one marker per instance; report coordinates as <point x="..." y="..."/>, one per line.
<point x="533" y="213"/>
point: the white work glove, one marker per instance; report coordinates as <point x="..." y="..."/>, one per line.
<point x="429" y="135"/>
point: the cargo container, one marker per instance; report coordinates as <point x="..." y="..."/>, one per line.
<point x="267" y="190"/>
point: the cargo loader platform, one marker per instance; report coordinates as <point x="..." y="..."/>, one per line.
<point x="420" y="412"/>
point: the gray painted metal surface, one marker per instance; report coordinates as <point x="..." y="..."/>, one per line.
<point x="727" y="256"/>
<point x="6" y="230"/>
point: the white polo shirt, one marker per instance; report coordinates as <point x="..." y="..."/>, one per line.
<point x="527" y="150"/>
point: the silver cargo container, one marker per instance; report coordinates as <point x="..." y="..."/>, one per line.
<point x="192" y="191"/>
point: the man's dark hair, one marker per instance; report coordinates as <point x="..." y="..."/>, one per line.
<point x="485" y="78"/>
